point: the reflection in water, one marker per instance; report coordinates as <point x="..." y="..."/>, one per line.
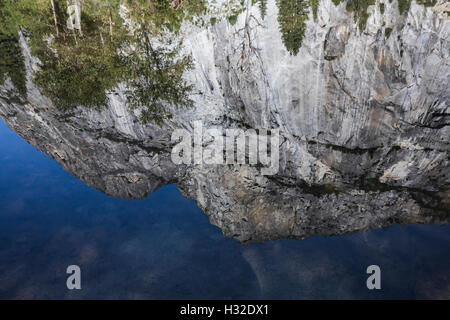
<point x="164" y="247"/>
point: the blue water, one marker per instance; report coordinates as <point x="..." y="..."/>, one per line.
<point x="163" y="247"/>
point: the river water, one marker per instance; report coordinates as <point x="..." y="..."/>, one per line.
<point x="163" y="247"/>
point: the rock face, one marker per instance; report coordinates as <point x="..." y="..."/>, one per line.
<point x="364" y="119"/>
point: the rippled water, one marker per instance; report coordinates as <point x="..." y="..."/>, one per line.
<point x="164" y="247"/>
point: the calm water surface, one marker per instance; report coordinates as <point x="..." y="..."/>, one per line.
<point x="163" y="247"/>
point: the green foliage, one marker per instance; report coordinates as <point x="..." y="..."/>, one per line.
<point x="18" y="13"/>
<point x="155" y="73"/>
<point x="427" y="3"/>
<point x="162" y="15"/>
<point x="158" y="81"/>
<point x="14" y="15"/>
<point x="235" y="12"/>
<point x="314" y="7"/>
<point x="263" y="8"/>
<point x="388" y="32"/>
<point x="359" y="8"/>
<point x="292" y="19"/>
<point x="80" y="75"/>
<point x="403" y="6"/>
<point x="233" y="19"/>
<point x="80" y="67"/>
<point x="11" y="63"/>
<point x="337" y="2"/>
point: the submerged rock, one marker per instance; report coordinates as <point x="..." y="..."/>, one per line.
<point x="364" y="123"/>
